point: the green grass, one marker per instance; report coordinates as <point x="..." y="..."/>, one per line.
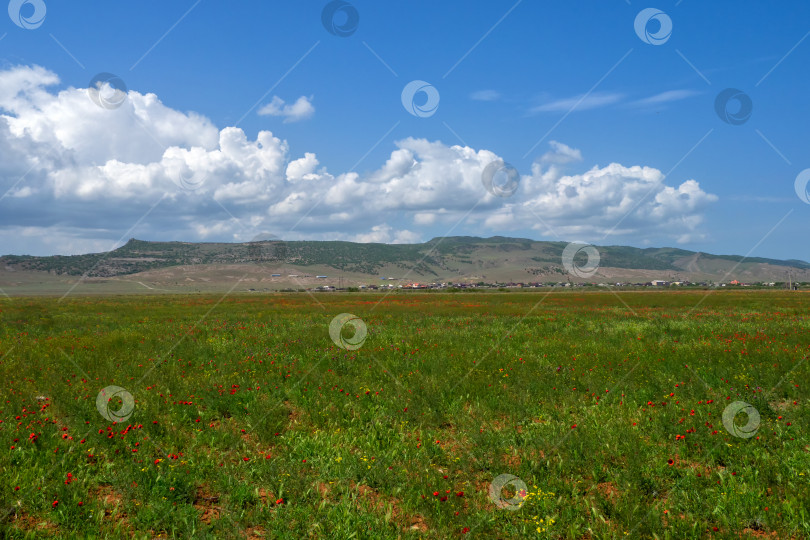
<point x="250" y="422"/>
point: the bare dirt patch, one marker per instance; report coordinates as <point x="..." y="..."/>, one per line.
<point x="25" y="522"/>
<point x="254" y="533"/>
<point x="608" y="490"/>
<point x="384" y="503"/>
<point x="754" y="533"/>
<point x="781" y="405"/>
<point x="205" y="501"/>
<point x="107" y="495"/>
<point x="323" y="489"/>
<point x="266" y="497"/>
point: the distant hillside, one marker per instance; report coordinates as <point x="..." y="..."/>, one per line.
<point x="438" y="259"/>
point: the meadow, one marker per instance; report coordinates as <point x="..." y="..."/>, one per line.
<point x="480" y="415"/>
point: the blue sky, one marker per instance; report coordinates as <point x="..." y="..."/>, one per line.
<point x="508" y="75"/>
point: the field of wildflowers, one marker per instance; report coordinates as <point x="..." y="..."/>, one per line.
<point x="508" y="415"/>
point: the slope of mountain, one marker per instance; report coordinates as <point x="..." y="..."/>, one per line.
<point x="441" y="259"/>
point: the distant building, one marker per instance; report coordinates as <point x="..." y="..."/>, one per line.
<point x="320" y="277"/>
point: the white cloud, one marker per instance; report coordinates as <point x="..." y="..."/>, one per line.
<point x="560" y="154"/>
<point x="579" y="103"/>
<point x="611" y="200"/>
<point x="136" y="132"/>
<point x="220" y="185"/>
<point x="485" y="95"/>
<point x="424" y="218"/>
<point x="384" y="234"/>
<point x="300" y="110"/>
<point x="597" y="100"/>
<point x="303" y="168"/>
<point x="665" y="97"/>
<point x="59" y="239"/>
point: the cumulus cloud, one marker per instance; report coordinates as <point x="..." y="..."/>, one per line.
<point x="384" y="234"/>
<point x="603" y="201"/>
<point x="560" y="154"/>
<point x="295" y="112"/>
<point x="87" y="176"/>
<point x="136" y="132"/>
<point x="303" y="168"/>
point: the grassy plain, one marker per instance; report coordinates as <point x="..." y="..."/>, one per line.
<point x="249" y="421"/>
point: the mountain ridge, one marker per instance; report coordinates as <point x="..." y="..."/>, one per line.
<point x="438" y="258"/>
